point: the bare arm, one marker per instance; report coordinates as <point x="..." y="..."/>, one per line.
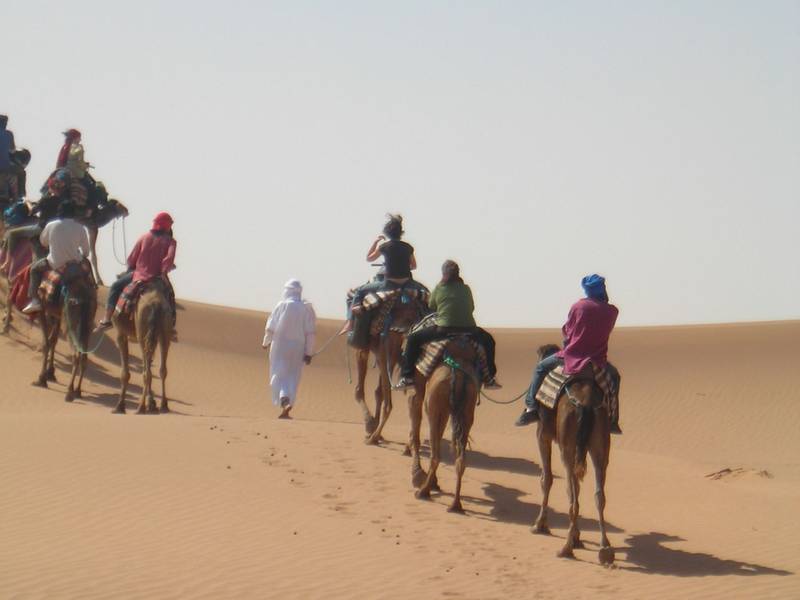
<point x="413" y="262"/>
<point x="375" y="249"/>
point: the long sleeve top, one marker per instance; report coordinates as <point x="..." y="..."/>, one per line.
<point x="152" y="256"/>
<point x="586" y="333"/>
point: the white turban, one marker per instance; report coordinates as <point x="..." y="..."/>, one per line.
<point x="292" y="290"/>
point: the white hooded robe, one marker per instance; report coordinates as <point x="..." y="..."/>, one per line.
<point x="290" y="330"/>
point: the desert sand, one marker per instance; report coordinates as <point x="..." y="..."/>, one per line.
<point x="219" y="499"/>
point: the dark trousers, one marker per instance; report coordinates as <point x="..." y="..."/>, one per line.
<point x="38" y="268"/>
<point x="115" y="291"/>
<point x="416" y="340"/>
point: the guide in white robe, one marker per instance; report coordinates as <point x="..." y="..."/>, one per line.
<point x="290" y="334"/>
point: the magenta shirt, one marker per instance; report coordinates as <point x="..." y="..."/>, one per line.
<point x="586" y="333"/>
<point x="153" y="255"/>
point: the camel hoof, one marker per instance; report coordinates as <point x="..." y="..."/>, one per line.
<point x="578" y="544"/>
<point x="70" y="396"/>
<point x="119" y="410"/>
<point x="407" y="451"/>
<point x="456" y="508"/>
<point x="565" y="553"/>
<point x="422" y="494"/>
<point x="142" y="410"/>
<point x="606" y="556"/>
<point x="372" y="440"/>
<point x="52" y="377"/>
<point x="42" y="383"/>
<point x="152" y="409"/>
<point x="540" y="529"/>
<point x="418" y="478"/>
<point x="78" y="394"/>
<point x="371" y="425"/>
<point x="164" y="408"/>
<point x="435" y="486"/>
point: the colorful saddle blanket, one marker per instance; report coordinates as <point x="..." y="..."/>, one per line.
<point x="54" y="278"/>
<point x="383" y="301"/>
<point x="433" y="353"/>
<point x="554" y="383"/>
<point x="128" y="300"/>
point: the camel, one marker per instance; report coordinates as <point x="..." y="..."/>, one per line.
<point x="13" y="266"/>
<point x="452" y="394"/>
<point x="77" y="308"/>
<point x="386" y="347"/>
<point x="152" y="327"/>
<point x="580" y="424"/>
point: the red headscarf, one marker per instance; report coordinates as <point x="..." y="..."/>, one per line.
<point x="71" y="135"/>
<point x="162" y="222"/>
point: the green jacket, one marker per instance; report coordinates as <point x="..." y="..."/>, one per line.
<point x="453" y="304"/>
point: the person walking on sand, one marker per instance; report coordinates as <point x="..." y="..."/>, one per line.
<point x="289" y="335"/>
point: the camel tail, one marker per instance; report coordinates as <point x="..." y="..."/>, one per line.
<point x="585" y="424"/>
<point x="458" y="402"/>
<point x="152" y="328"/>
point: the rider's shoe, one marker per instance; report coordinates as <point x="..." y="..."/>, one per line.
<point x="33" y="306"/>
<point x="615" y="429"/>
<point x="404" y="384"/>
<point x="103" y="325"/>
<point x="492" y="384"/>
<point x="527" y="417"/>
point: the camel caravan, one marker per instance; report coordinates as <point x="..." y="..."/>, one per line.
<point x="422" y="342"/>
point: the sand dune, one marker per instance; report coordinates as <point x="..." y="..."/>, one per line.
<point x="221" y="500"/>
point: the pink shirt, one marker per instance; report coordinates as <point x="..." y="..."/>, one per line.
<point x="586" y="333"/>
<point x="153" y="255"/>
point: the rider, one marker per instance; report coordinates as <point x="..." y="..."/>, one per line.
<point x="452" y="301"/>
<point x="66" y="240"/>
<point x="6" y="148"/>
<point x="152" y="256"/>
<point x="586" y="332"/>
<point x="399" y="261"/>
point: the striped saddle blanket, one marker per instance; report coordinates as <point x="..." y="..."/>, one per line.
<point x="54" y="278"/>
<point x="126" y="305"/>
<point x="554" y="383"/>
<point x="384" y="301"/>
<point x="433" y="354"/>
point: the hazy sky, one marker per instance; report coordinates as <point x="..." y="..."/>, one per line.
<point x="657" y="143"/>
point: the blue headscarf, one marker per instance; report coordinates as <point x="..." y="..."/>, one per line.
<point x="595" y="287"/>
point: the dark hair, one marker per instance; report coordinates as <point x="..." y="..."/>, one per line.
<point x="66" y="210"/>
<point x="450" y="272"/>
<point x="3" y="120"/>
<point x="394" y="227"/>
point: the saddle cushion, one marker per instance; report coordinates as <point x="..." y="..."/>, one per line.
<point x="54" y="279"/>
<point x="433" y="354"/>
<point x="556" y="380"/>
<point x="383" y="301"/>
<point x="129" y="298"/>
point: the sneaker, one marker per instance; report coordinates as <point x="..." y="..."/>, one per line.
<point x="404" y="384"/>
<point x="34" y="306"/>
<point x="527" y="417"/>
<point x="492" y="384"/>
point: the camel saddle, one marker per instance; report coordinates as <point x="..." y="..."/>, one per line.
<point x="382" y="302"/>
<point x="129" y="299"/>
<point x="433" y="353"/>
<point x="556" y="380"/>
<point x="55" y="280"/>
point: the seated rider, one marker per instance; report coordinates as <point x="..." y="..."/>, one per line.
<point x="586" y="332"/>
<point x="152" y="256"/>
<point x="7" y="147"/>
<point x="66" y="240"/>
<point x="453" y="303"/>
<point x="399" y="261"/>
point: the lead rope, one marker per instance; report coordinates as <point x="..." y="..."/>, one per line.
<point x="450" y="362"/>
<point x="122" y="263"/>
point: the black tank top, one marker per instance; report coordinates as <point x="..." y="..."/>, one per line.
<point x="397" y="258"/>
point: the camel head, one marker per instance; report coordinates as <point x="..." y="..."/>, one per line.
<point x="546" y="350"/>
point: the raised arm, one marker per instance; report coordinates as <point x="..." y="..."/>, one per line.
<point x="375" y="249"/>
<point x="169" y="258"/>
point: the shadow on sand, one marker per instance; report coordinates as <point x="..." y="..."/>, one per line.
<point x="648" y="554"/>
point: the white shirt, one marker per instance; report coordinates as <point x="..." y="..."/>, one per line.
<point x="67" y="240"/>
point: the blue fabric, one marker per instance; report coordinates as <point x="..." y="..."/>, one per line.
<point x="539" y="373"/>
<point x="595" y="287"/>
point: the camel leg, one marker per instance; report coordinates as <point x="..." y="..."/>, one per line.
<point x="163" y="373"/>
<point x="55" y="329"/>
<point x="546" y="480"/>
<point x="385" y="387"/>
<point x="42" y="380"/>
<point x="437" y="421"/>
<point x="599" y="452"/>
<point x="93" y="231"/>
<point x="76" y="360"/>
<point x="415" y="403"/>
<point x="460" y="449"/>
<point x="84" y="362"/>
<point x="125" y="376"/>
<point x="147" y="380"/>
<point x="362" y="356"/>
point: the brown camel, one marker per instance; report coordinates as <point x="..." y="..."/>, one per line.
<point x="453" y="394"/>
<point x="77" y="308"/>
<point x="152" y="327"/>
<point x="386" y="348"/>
<point x="580" y="424"/>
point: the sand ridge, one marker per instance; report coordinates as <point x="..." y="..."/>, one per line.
<point x="220" y="499"/>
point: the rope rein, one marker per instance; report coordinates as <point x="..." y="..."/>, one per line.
<point x="453" y="364"/>
<point x="123" y="263"/>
